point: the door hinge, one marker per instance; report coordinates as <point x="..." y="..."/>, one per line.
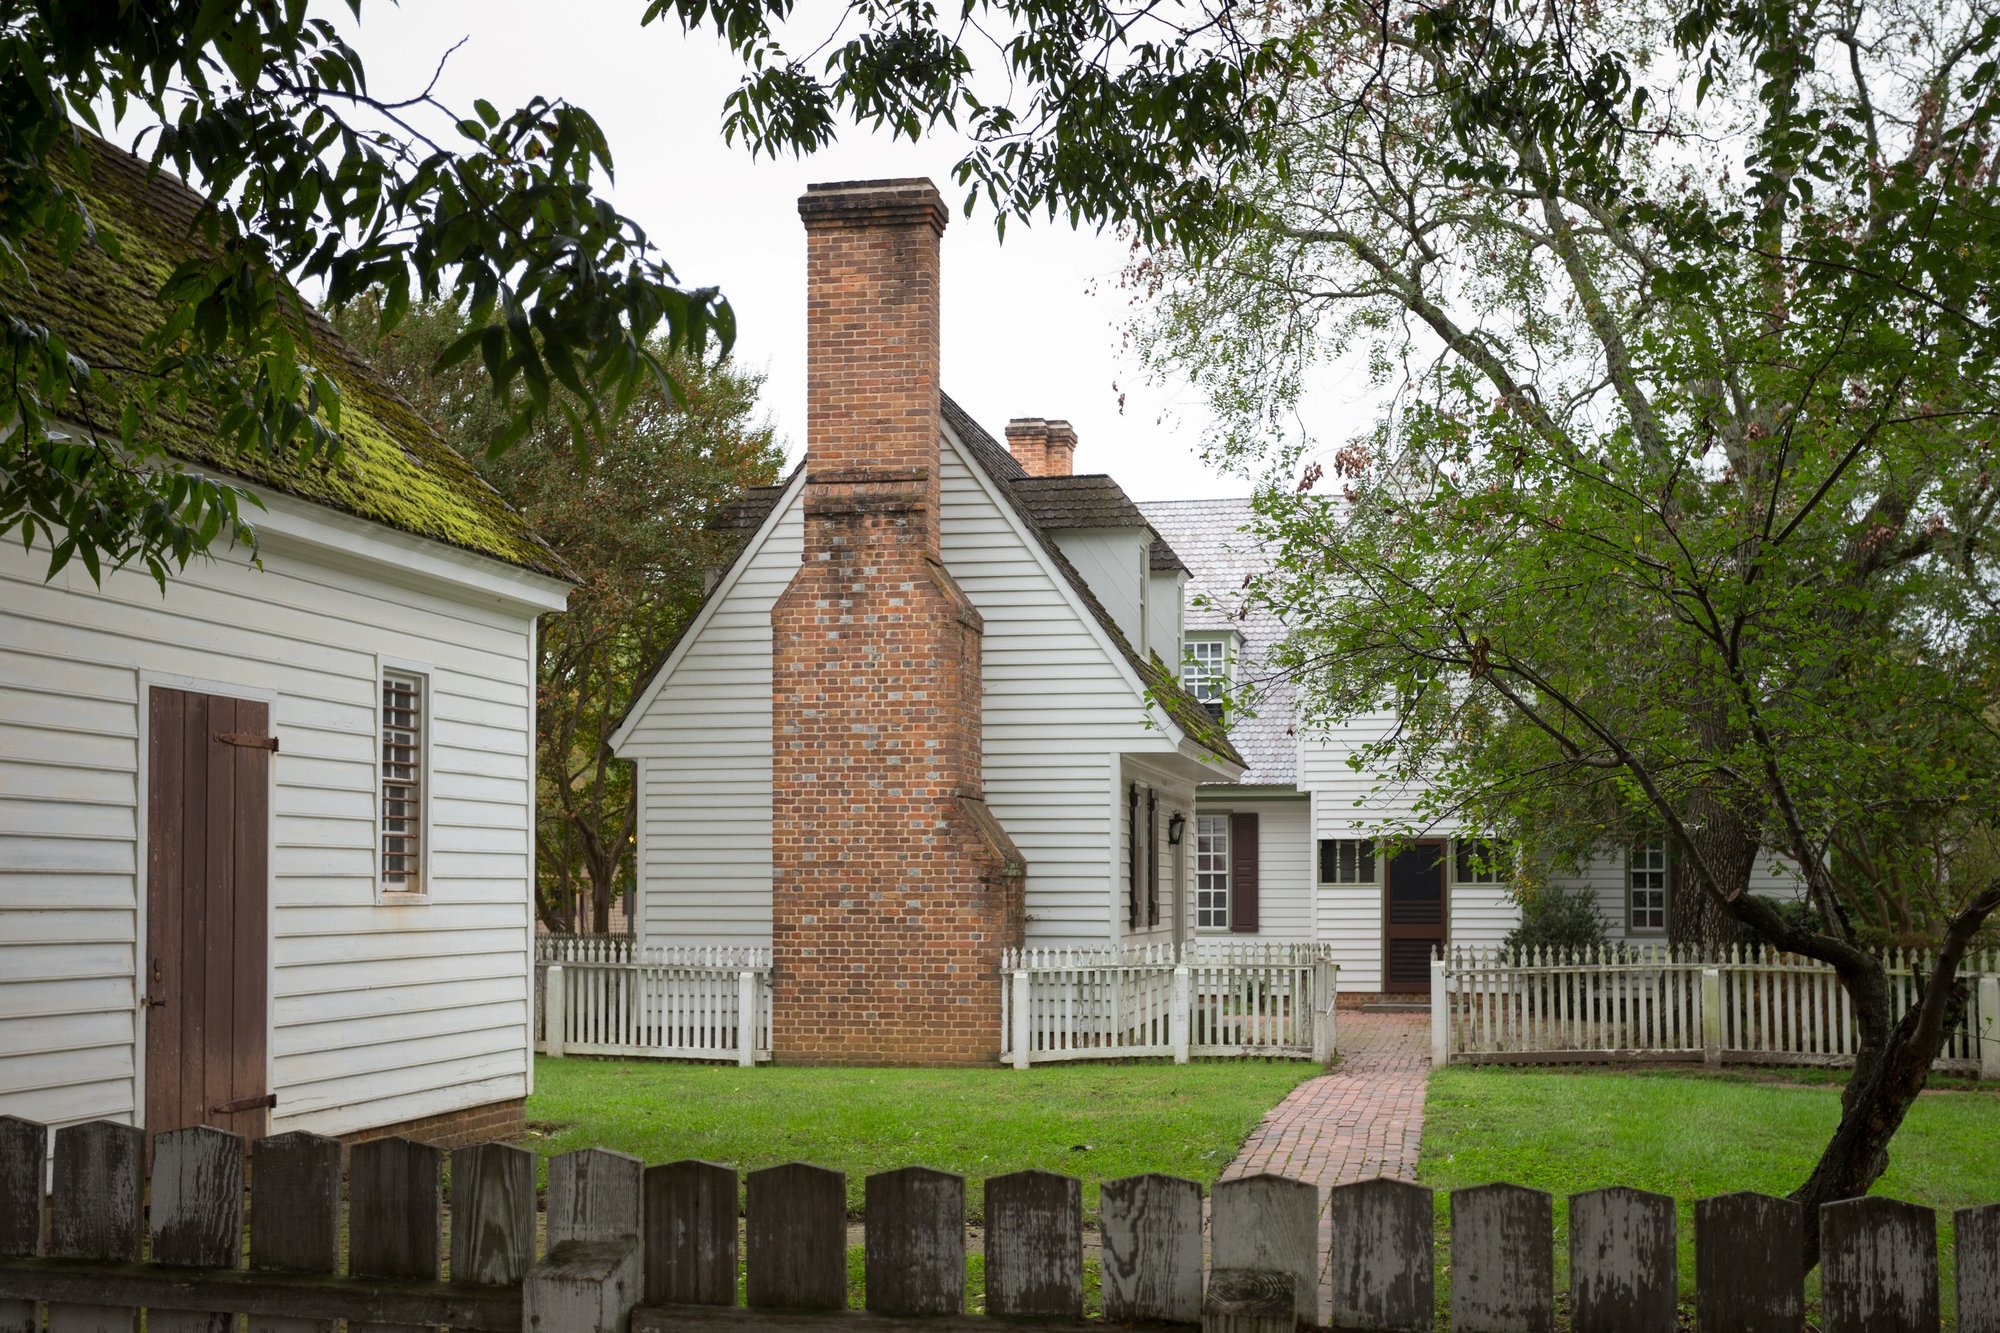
<point x="248" y="740"/>
<point x="245" y="1104"/>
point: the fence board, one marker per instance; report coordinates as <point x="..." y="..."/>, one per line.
<point x="1976" y="1244"/>
<point x="197" y="1215"/>
<point x="1034" y="1245"/>
<point x="1243" y="1300"/>
<point x="915" y="1242"/>
<point x="1878" y="1267"/>
<point x="1151" y="1260"/>
<point x="96" y="1212"/>
<point x="1749" y="1263"/>
<point x="690" y="1209"/>
<point x="795" y="1235"/>
<point x="1502" y="1260"/>
<point x="1622" y="1275"/>
<point x="593" y="1195"/>
<point x="492" y="1214"/>
<point x="395" y="1200"/>
<point x="1383" y="1259"/>
<point x="1268" y="1223"/>
<point x="294" y="1216"/>
<point x="24" y="1147"/>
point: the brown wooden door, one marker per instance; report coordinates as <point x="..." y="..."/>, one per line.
<point x="1413" y="917"/>
<point x="207" y="896"/>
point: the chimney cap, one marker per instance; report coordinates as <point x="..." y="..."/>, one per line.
<point x="904" y="201"/>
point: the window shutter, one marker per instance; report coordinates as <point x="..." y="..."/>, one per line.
<point x="1243" y="873"/>
<point x="1152" y="857"/>
<point x="1132" y="857"/>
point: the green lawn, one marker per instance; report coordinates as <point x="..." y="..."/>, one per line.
<point x="1688" y="1135"/>
<point x="1095" y="1122"/>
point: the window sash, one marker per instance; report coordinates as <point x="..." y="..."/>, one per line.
<point x="403" y="781"/>
<point x="1646" y="888"/>
<point x="1208" y="673"/>
<point x="1211" y="872"/>
<point x="1347" y="861"/>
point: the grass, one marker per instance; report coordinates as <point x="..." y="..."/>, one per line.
<point x="1687" y="1135"/>
<point x="1095" y="1122"/>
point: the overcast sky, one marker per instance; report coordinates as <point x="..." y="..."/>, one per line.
<point x="1032" y="327"/>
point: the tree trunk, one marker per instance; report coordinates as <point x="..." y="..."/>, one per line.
<point x="1698" y="921"/>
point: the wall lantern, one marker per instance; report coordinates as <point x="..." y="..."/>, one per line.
<point x="1175" y="826"/>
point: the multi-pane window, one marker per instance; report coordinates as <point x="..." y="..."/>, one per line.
<point x="1211" y="872"/>
<point x="402" y="781"/>
<point x="1206" y="670"/>
<point x="1646" y="887"/>
<point x="1347" y="860"/>
<point x="1476" y="861"/>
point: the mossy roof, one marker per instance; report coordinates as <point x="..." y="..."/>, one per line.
<point x="394" y="468"/>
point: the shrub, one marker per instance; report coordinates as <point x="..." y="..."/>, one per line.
<point x="1558" y="918"/>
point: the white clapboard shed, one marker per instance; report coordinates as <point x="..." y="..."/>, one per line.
<point x="266" y="838"/>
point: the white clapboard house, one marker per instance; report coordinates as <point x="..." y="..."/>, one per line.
<point x="1310" y="819"/>
<point x="266" y="836"/>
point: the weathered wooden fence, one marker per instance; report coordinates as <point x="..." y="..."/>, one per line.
<point x="600" y="995"/>
<point x="1750" y="1006"/>
<point x="657" y="1248"/>
<point x="1179" y="1001"/>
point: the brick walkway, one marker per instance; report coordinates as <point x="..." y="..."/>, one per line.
<point x="1364" y="1119"/>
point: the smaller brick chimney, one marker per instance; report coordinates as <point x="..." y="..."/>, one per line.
<point x="1042" y="448"/>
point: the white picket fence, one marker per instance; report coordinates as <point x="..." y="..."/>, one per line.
<point x="1210" y="998"/>
<point x="1750" y="1006"/>
<point x="600" y="995"/>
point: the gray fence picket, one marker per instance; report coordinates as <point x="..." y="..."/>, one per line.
<point x="915" y="1242"/>
<point x="1502" y="1260"/>
<point x="1267" y="1223"/>
<point x="1246" y="1300"/>
<point x="795" y="1238"/>
<point x="593" y="1195"/>
<point x="1976" y="1247"/>
<point x="395" y="1200"/>
<point x="1622" y="1274"/>
<point x="1749" y="1264"/>
<point x="492" y="1214"/>
<point x="96" y="1212"/>
<point x="197" y="1215"/>
<point x="690" y="1209"/>
<point x="294" y="1215"/>
<point x="1034" y="1245"/>
<point x="1384" y="1256"/>
<point x="1150" y="1264"/>
<point x="1878" y="1267"/>
<point x="24" y="1147"/>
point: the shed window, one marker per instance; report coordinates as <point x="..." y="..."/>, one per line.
<point x="1646" y="888"/>
<point x="403" y="722"/>
<point x="1476" y="861"/>
<point x="1347" y="861"/>
<point x="1211" y="872"/>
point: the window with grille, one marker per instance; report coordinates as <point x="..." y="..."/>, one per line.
<point x="1646" y="887"/>
<point x="1206" y="670"/>
<point x="1347" y="861"/>
<point x="402" y="782"/>
<point x="1211" y="872"/>
<point x="1476" y="861"/>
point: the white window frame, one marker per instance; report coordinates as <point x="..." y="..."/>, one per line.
<point x="1198" y="675"/>
<point x="1374" y="856"/>
<point x="386" y="667"/>
<point x="1205" y="902"/>
<point x="1492" y="876"/>
<point x="1657" y="863"/>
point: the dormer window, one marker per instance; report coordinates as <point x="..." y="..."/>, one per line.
<point x="1205" y="670"/>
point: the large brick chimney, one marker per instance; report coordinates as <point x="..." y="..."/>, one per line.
<point x="893" y="888"/>
<point x="1042" y="448"/>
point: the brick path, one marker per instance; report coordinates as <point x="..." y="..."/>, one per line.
<point x="1364" y="1119"/>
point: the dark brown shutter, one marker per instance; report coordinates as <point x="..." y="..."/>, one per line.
<point x="1132" y="857"/>
<point x="1152" y="857"/>
<point x="1243" y="873"/>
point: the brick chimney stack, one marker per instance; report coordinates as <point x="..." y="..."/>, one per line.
<point x="893" y="888"/>
<point x="1042" y="448"/>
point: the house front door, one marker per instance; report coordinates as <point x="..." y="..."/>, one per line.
<point x="1413" y="918"/>
<point x="202" y="977"/>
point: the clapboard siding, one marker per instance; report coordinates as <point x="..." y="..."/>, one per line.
<point x="1113" y="561"/>
<point x="1285" y="892"/>
<point x="305" y="631"/>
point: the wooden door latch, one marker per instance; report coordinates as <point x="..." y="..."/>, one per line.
<point x="248" y="740"/>
<point x="245" y="1104"/>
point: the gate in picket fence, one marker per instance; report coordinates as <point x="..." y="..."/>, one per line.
<point x="1209" y="998"/>
<point x="600" y="995"/>
<point x="1750" y="1006"/>
<point x="655" y="1248"/>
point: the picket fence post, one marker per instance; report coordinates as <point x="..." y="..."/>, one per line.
<point x="746" y="1019"/>
<point x="1711" y="1016"/>
<point x="1988" y="1035"/>
<point x="1323" y="1001"/>
<point x="1440" y="1016"/>
<point x="1024" y="1020"/>
<point x="1179" y="1024"/>
<point x="552" y="1011"/>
